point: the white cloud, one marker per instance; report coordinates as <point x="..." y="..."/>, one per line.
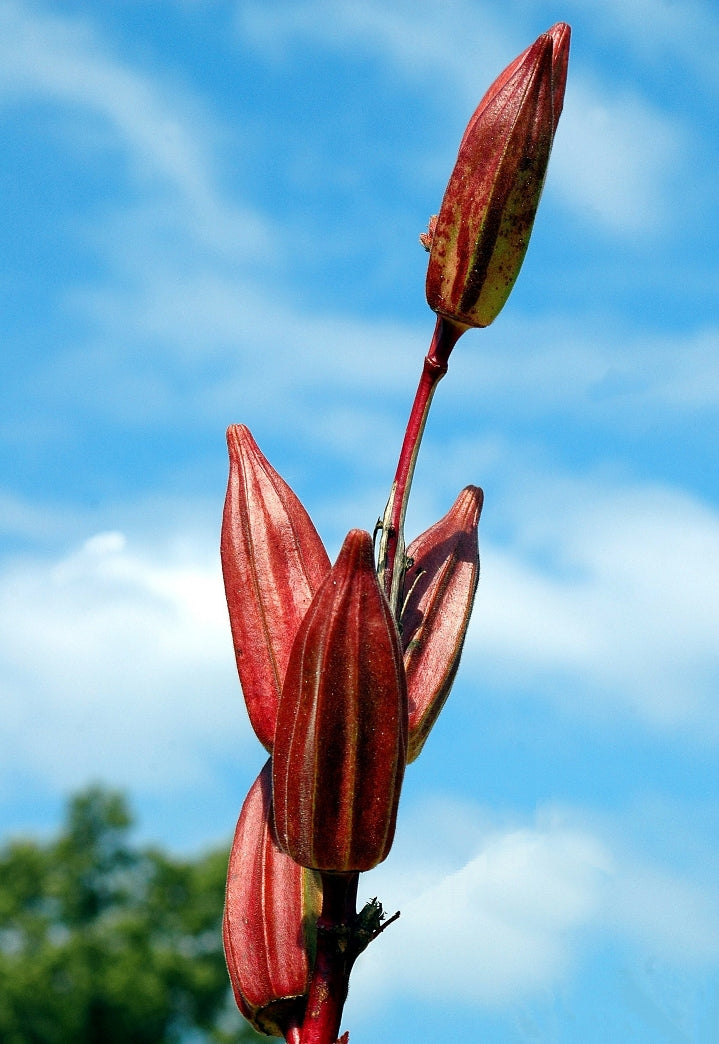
<point x="514" y="916"/>
<point x="254" y="357"/>
<point x="418" y="36"/>
<point x="491" y="939"/>
<point x="176" y="322"/>
<point x="117" y="664"/>
<point x="249" y="358"/>
<point x="609" y="372"/>
<point x="164" y="135"/>
<point x="605" y="599"/>
<point x="616" y="159"/>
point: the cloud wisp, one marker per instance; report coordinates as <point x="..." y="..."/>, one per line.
<point x="517" y="914"/>
<point x="613" y="591"/>
<point x="163" y="133"/>
<point x="616" y="158"/>
<point x="117" y="665"/>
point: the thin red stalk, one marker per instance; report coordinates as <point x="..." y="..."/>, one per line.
<point x="338" y="943"/>
<point x="391" y="549"/>
<point x="333" y="961"/>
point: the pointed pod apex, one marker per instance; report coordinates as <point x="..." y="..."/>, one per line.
<point x="440" y="586"/>
<point x="273" y="561"/>
<point x="560" y="35"/>
<point x="341" y="739"/>
<point x="486" y="218"/>
<point x="270" y="919"/>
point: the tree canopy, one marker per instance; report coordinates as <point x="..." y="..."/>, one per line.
<point x="101" y="941"/>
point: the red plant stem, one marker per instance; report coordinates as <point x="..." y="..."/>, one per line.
<point x="391" y="565"/>
<point x="337" y="947"/>
<point x="333" y="961"/>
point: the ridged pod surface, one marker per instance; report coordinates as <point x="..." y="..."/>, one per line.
<point x="273" y="562"/>
<point x="440" y="583"/>
<point x="269" y="923"/>
<point x="341" y="739"/>
<point x="480" y="236"/>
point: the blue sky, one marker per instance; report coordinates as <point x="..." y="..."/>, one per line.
<point x="210" y="215"/>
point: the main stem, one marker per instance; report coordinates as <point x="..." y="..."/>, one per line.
<point x="337" y="940"/>
<point x="391" y="563"/>
<point x="333" y="961"/>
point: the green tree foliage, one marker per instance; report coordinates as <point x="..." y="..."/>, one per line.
<point x="101" y="941"/>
